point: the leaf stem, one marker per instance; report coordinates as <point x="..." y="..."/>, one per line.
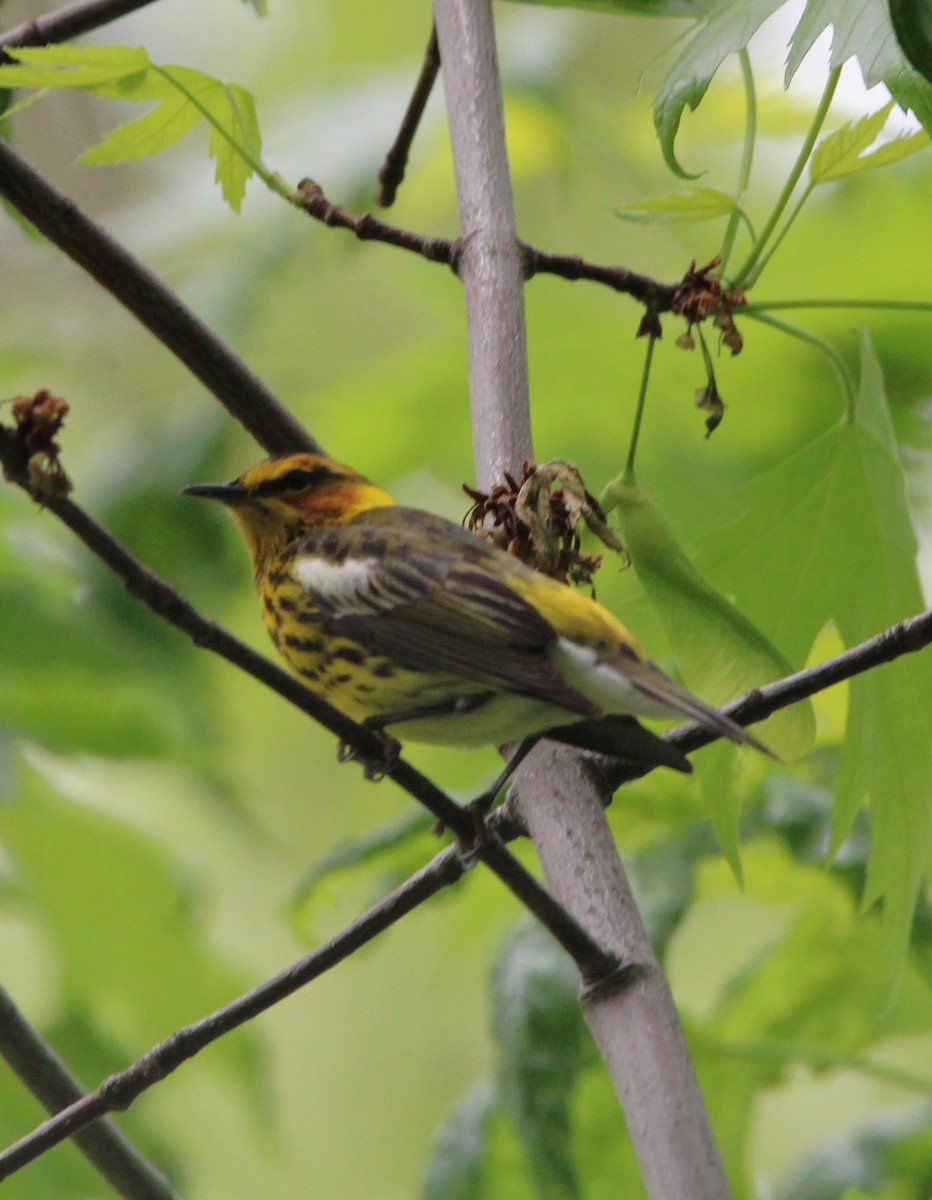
<point x="747" y="158"/>
<point x="838" y="364"/>
<point x="765" y="306"/>
<point x="628" y="474"/>
<point x="792" y="179"/>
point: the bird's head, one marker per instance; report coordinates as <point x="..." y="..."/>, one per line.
<point x="279" y="498"/>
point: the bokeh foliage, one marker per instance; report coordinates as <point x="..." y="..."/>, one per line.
<point x="160" y="814"/>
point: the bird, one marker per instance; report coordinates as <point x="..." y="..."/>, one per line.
<point x="425" y="631"/>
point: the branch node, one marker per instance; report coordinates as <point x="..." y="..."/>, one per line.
<point x="604" y="985"/>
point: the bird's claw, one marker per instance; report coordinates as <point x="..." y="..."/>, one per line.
<point x="374" y="766"/>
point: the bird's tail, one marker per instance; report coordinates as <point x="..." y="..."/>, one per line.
<point x="651" y="682"/>
<point x="622" y="737"/>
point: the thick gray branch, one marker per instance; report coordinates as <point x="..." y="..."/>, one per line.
<point x="489" y="263"/>
<point x="635" y="1026"/>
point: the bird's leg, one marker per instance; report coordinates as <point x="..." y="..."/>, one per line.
<point x="482" y="804"/>
<point x="479" y="809"/>
<point x="376" y="768"/>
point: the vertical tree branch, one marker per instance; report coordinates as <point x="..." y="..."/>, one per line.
<point x="635" y="1027"/>
<point x="490" y="262"/>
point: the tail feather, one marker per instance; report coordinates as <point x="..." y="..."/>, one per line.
<point x="622" y="737"/>
<point x="657" y="686"/>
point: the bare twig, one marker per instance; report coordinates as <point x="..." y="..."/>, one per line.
<point x="119" y="1091"/>
<point x="392" y="171"/>
<point x="243" y="395"/>
<point x="49" y="1080"/>
<point x="69" y="22"/>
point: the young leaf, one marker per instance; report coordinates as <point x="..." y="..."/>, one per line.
<point x="840" y="154"/>
<point x="725" y="29"/>
<point x="695" y="204"/>
<point x="863" y="31"/>
<point x="183" y="98"/>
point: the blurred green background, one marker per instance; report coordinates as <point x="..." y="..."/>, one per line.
<point x="159" y="811"/>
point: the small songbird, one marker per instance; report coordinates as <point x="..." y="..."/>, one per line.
<point x="415" y="626"/>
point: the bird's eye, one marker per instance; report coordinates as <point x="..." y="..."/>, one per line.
<point x="295" y="480"/>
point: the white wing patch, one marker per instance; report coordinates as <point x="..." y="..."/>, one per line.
<point x="346" y="585"/>
<point x="604" y="683"/>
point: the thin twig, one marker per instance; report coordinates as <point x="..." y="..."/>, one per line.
<point x="392" y="171"/>
<point x="69" y="22"/>
<point x="117" y="1092"/>
<point x="659" y="297"/>
<point x="243" y="395"/>
<point x="50" y="1081"/>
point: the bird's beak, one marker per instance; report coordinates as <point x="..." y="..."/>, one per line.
<point x="226" y="493"/>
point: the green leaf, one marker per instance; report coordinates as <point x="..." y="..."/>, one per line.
<point x="724" y="30"/>
<point x="183" y="97"/>
<point x="538" y="1029"/>
<point x="863" y="31"/>
<point x="720" y="653"/>
<point x="457" y="1162"/>
<point x="912" y="23"/>
<point x="103" y="70"/>
<point x="82" y="870"/>
<point x="827" y="537"/>
<point x="839" y="155"/>
<point x="696" y="204"/>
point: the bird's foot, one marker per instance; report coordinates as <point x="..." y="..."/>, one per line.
<point x="469" y="844"/>
<point x="375" y="766"/>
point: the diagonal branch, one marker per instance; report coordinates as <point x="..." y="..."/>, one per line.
<point x="69" y="22"/>
<point x="243" y="395"/>
<point x="50" y="1081"/>
<point x="119" y="1091"/>
<point x="392" y="171"/>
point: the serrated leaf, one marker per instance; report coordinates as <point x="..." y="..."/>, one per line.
<point x="840" y="154"/>
<point x="837" y="155"/>
<point x="863" y="31"/>
<point x="724" y="30"/>
<point x="840" y="547"/>
<point x="146" y="135"/>
<point x="183" y="97"/>
<point x="696" y="204"/>
<point x="86" y="68"/>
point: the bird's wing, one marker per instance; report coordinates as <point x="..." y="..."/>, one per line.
<point x="435" y="607"/>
